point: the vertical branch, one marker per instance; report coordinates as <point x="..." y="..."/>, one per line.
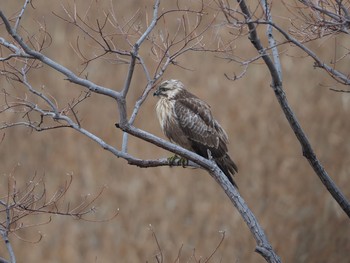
<point x="148" y="88"/>
<point x="4" y="231"/>
<point x="134" y="56"/>
<point x="136" y="47"/>
<point x="19" y="18"/>
<point x="271" y="39"/>
<point x="254" y="39"/>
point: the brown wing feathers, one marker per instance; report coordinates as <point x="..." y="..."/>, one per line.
<point x="193" y="125"/>
<point x="187" y="121"/>
<point x="204" y="133"/>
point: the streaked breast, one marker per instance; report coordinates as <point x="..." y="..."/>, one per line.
<point x="165" y="111"/>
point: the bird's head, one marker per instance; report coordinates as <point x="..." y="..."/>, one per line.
<point x="169" y="88"/>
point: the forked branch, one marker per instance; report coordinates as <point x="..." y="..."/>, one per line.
<point x="171" y="49"/>
<point x="274" y="67"/>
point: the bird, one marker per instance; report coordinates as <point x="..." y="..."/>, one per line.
<point x="187" y="121"/>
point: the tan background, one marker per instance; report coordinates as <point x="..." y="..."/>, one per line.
<point x="186" y="208"/>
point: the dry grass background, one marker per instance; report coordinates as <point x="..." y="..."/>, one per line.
<point x="186" y="208"/>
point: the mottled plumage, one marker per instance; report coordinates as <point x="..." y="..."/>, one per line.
<point x="187" y="121"/>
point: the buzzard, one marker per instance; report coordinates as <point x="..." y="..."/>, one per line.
<point x="187" y="121"/>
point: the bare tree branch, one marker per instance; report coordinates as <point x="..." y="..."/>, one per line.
<point x="4" y="231"/>
<point x="33" y="199"/>
<point x="173" y="48"/>
<point x="165" y="49"/>
<point x="337" y="75"/>
<point x="231" y="192"/>
<point x="20" y="15"/>
<point x="134" y="55"/>
<point x="277" y="87"/>
<point x="68" y="73"/>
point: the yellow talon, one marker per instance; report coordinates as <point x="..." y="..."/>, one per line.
<point x="176" y="160"/>
<point x="183" y="162"/>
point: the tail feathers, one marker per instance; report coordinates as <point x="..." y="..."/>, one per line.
<point x="229" y="168"/>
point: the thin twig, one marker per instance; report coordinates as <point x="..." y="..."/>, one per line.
<point x="217" y="247"/>
<point x="159" y="259"/>
<point x="20" y="15"/>
<point x="56" y="66"/>
<point x="337" y="75"/>
<point x="340" y="90"/>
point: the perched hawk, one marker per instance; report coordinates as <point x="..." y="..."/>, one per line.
<point x="187" y="121"/>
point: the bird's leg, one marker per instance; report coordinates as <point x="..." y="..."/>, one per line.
<point x="183" y="161"/>
<point x="172" y="159"/>
<point x="175" y="159"/>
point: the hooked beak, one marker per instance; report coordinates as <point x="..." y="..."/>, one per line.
<point x="157" y="92"/>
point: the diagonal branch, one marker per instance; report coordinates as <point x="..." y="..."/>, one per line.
<point x="56" y="66"/>
<point x="336" y="74"/>
<point x="263" y="246"/>
<point x="277" y="87"/>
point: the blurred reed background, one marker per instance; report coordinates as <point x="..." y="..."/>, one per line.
<point x="185" y="207"/>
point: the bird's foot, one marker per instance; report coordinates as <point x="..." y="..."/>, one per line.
<point x="177" y="160"/>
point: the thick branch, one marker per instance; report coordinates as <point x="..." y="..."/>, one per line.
<point x="262" y="242"/>
<point x="293" y="122"/>
<point x="256" y="230"/>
